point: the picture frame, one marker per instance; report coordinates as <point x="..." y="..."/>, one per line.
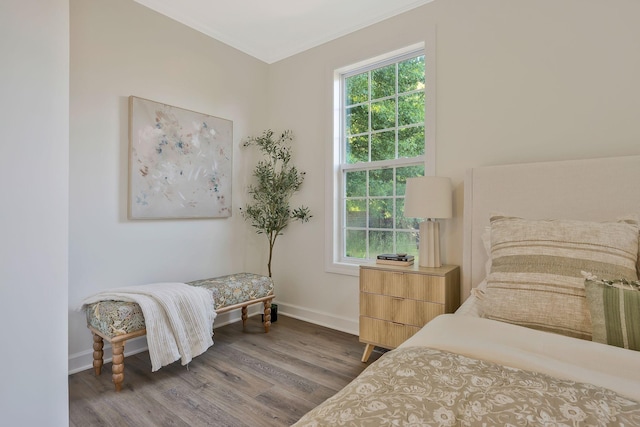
<point x="180" y="162"/>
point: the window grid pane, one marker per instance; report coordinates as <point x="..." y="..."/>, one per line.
<point x="383" y="116"/>
<point x="374" y="221"/>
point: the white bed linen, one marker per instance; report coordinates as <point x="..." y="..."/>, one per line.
<point x="579" y="360"/>
<point x="473" y="306"/>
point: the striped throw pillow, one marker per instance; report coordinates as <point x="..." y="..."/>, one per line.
<point x="536" y="269"/>
<point x="615" y="312"/>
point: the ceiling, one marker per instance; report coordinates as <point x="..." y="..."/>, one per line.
<point x="271" y="30"/>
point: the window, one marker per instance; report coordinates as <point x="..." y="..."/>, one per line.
<point x="382" y="138"/>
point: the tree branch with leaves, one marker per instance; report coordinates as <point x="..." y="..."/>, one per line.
<point x="276" y="182"/>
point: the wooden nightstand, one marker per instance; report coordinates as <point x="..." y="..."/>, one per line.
<point x="395" y="302"/>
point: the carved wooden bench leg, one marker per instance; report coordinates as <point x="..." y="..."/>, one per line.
<point x="117" y="368"/>
<point x="244" y="316"/>
<point x="267" y="315"/>
<point x="98" y="344"/>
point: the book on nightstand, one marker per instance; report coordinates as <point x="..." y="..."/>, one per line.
<point x="395" y="259"/>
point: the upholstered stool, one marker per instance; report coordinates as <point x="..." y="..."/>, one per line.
<point x="118" y="321"/>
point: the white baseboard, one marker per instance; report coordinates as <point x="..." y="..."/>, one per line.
<point x="83" y="360"/>
<point x="321" y="318"/>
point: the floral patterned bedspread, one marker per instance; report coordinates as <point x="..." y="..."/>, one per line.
<point x="418" y="386"/>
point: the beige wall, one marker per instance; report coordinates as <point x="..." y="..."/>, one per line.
<point x="34" y="213"/>
<point x="517" y="81"/>
<point x="120" y="48"/>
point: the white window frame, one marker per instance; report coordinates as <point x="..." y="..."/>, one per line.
<point x="334" y="262"/>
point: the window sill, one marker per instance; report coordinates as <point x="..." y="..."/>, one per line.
<point x="348" y="269"/>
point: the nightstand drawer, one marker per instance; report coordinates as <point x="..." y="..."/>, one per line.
<point x="396" y="301"/>
<point x="404" y="285"/>
<point x="399" y="310"/>
<point x="384" y="334"/>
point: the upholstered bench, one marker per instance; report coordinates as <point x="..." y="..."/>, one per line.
<point x="118" y="321"/>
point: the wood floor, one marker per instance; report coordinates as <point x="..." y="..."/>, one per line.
<point x="248" y="378"/>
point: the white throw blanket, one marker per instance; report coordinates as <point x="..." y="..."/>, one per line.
<point x="178" y="317"/>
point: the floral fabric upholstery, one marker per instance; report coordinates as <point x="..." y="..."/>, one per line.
<point x="236" y="288"/>
<point x="418" y="386"/>
<point x="113" y="318"/>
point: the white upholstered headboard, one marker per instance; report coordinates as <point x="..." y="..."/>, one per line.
<point x="593" y="190"/>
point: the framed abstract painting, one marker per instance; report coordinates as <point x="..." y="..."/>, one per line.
<point x="179" y="162"/>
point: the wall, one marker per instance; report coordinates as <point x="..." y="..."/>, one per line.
<point x="120" y="48"/>
<point x="517" y="81"/>
<point x="34" y="171"/>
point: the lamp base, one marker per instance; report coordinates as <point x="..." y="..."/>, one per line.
<point x="429" y="250"/>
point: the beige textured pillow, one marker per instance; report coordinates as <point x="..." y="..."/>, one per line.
<point x="536" y="269"/>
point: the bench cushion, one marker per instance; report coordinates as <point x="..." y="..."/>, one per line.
<point x="236" y="288"/>
<point x="113" y="318"/>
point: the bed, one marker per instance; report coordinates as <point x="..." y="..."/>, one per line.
<point x="549" y="332"/>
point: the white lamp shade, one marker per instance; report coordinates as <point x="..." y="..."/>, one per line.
<point x="428" y="197"/>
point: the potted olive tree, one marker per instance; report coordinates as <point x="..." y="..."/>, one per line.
<point x="276" y="180"/>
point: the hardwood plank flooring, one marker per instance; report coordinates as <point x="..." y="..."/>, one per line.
<point x="247" y="378"/>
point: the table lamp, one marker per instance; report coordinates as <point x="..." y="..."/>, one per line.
<point x="428" y="197"/>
